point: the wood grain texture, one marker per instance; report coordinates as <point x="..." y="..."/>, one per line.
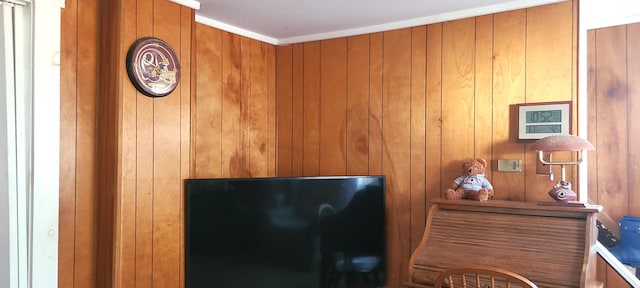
<point x="615" y="280"/>
<point x="418" y="133"/>
<point x="507" y="82"/>
<point x="545" y="70"/>
<point x="126" y="205"/>
<point x="273" y="113"/>
<point x="396" y="161"/>
<point x="208" y="102"/>
<point x="376" y="46"/>
<point x="245" y="107"/>
<point x="284" y="83"/>
<point x="357" y="108"/>
<point x="633" y="103"/>
<point x="592" y="116"/>
<point x="611" y="101"/>
<point x="85" y="223"/>
<point x="333" y="105"/>
<point x="509" y="88"/>
<point x="520" y="233"/>
<point x="297" y="103"/>
<point x="167" y="180"/>
<point x="311" y="139"/>
<point x="458" y="78"/>
<point x="259" y="111"/>
<point x="85" y="146"/>
<point x="606" y="274"/>
<point x="484" y="91"/>
<point x="108" y="141"/>
<point x="476" y="65"/>
<point x="612" y="62"/>
<point x="232" y="103"/>
<point x="186" y="98"/>
<point x="433" y="130"/>
<point x="601" y="269"/>
<point x="68" y="150"/>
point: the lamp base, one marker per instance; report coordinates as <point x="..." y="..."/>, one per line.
<point x="563" y="196"/>
<point x="563" y="203"/>
<point x="562" y="192"/>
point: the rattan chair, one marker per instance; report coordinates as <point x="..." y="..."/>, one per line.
<point x="478" y="276"/>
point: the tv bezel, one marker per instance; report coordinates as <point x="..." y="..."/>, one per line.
<point x="187" y="218"/>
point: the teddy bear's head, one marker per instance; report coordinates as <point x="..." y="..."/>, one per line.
<point x="473" y="167"/>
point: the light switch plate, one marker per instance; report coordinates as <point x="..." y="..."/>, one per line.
<point x="509" y="165"/>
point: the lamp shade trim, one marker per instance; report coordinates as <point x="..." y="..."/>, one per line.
<point x="563" y="142"/>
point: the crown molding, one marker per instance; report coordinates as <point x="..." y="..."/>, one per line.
<point x="236" y="30"/>
<point x="195" y="5"/>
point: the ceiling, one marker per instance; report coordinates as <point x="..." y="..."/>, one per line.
<point x="281" y="22"/>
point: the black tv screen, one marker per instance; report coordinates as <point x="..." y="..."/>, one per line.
<point x="298" y="232"/>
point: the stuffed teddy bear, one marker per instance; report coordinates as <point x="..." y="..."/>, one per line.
<point x="472" y="184"/>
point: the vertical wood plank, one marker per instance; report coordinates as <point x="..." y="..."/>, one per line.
<point x="284" y="78"/>
<point x="508" y="89"/>
<point x="547" y="71"/>
<point x="298" y="111"/>
<point x="333" y="98"/>
<point x="311" y="141"/>
<point x="458" y="119"/>
<point x="208" y="102"/>
<point x="375" y="103"/>
<point x="166" y="170"/>
<point x="417" y="198"/>
<point x="633" y="100"/>
<point x="601" y="269"/>
<point x="396" y="147"/>
<point x="68" y="144"/>
<point x="434" y="183"/>
<point x="575" y="67"/>
<point x="245" y="99"/>
<point x="142" y="13"/>
<point x="611" y="94"/>
<point x="484" y="92"/>
<point x="231" y="105"/>
<point x="86" y="134"/>
<point x="186" y="96"/>
<point x="272" y="148"/>
<point x="592" y="115"/>
<point x="108" y="138"/>
<point x="357" y="116"/>
<point x="126" y="265"/>
<point x="615" y="280"/>
<point x="259" y="110"/>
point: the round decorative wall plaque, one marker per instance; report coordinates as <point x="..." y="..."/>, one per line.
<point x="153" y="67"/>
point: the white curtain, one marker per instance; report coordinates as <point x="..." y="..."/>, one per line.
<point x="15" y="141"/>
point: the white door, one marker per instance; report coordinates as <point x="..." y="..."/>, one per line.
<point x="29" y="142"/>
<point x="15" y="139"/>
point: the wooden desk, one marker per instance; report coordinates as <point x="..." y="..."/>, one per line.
<point x="552" y="246"/>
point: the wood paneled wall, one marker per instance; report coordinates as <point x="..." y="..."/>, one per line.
<point x="613" y="104"/>
<point x="413" y="103"/>
<point x="123" y="155"/>
<point x="234" y="107"/>
<point x="78" y="75"/>
<point x="409" y="104"/>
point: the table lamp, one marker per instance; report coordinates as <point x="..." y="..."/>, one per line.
<point x="561" y="192"/>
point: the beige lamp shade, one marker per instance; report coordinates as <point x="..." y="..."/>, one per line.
<point x="563" y="142"/>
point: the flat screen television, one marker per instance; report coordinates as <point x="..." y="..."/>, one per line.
<point x="298" y="232"/>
